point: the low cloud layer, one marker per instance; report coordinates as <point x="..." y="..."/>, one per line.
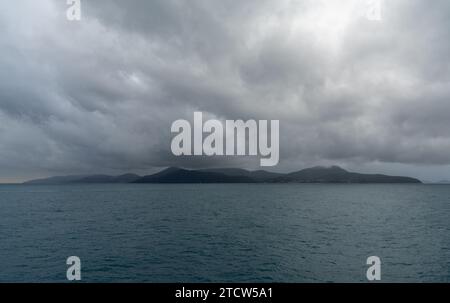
<point x="100" y="95"/>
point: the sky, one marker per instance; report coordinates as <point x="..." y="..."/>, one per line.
<point x="99" y="95"/>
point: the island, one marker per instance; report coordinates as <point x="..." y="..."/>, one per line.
<point x="174" y="175"/>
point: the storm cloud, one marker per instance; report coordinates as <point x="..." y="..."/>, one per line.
<point x="100" y="94"/>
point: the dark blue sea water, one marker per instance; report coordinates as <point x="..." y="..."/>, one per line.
<point x="225" y="233"/>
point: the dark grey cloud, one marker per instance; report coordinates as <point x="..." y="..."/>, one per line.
<point x="100" y="95"/>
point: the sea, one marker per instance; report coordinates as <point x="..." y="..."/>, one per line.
<point x="225" y="232"/>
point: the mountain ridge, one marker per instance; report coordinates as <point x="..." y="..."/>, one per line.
<point x="317" y="174"/>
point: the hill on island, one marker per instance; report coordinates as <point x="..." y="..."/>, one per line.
<point x="333" y="174"/>
<point x="127" y="178"/>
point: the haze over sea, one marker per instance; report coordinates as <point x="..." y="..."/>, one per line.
<point x="225" y="232"/>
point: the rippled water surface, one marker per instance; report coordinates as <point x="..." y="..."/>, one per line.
<point x="225" y="233"/>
